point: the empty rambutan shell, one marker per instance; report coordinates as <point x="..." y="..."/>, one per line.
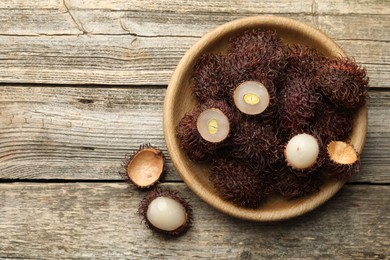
<point x="209" y="77"/>
<point x="343" y="161"/>
<point x="240" y="183"/>
<point x="344" y="82"/>
<point x="144" y="167"/>
<point x="166" y="212"/>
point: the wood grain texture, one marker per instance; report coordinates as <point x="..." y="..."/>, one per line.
<point x="97" y="220"/>
<point x="83" y="133"/>
<point x="116" y="42"/>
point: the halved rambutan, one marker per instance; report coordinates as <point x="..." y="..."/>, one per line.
<point x="240" y="182"/>
<point x="344" y="82"/>
<point x="204" y="130"/>
<point x="209" y="75"/>
<point x="166" y="212"/>
<point x="144" y="167"/>
<point x="343" y="161"/>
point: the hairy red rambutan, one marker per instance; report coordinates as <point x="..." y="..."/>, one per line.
<point x="332" y="123"/>
<point x="344" y="82"/>
<point x="297" y="103"/>
<point x="240" y="183"/>
<point x="256" y="53"/>
<point x="209" y="76"/>
<point x="290" y="185"/>
<point x="254" y="142"/>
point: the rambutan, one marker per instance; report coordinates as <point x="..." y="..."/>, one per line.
<point x="166" y="212"/>
<point x="290" y="185"/>
<point x="254" y="142"/>
<point x="204" y="130"/>
<point x="209" y="76"/>
<point x="239" y="183"/>
<point x="344" y="82"/>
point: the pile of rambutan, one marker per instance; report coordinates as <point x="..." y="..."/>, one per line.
<point x="272" y="118"/>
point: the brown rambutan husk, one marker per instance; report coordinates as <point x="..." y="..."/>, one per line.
<point x="175" y="195"/>
<point x="240" y="182"/>
<point x="342" y="171"/>
<point x="297" y="103"/>
<point x="129" y="158"/>
<point x="209" y="75"/>
<point x="344" y="82"/>
<point x="257" y="53"/>
<point x="290" y="185"/>
<point x="197" y="148"/>
<point x="332" y="123"/>
<point x="303" y="61"/>
<point x="254" y="142"/>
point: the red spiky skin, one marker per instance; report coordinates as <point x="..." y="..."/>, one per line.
<point x="254" y="142"/>
<point x="256" y="53"/>
<point x="333" y="123"/>
<point x="197" y="148"/>
<point x="209" y="76"/>
<point x="175" y="195"/>
<point x="344" y="83"/>
<point x="240" y="183"/>
<point x="297" y="103"/>
<point x="290" y="185"/>
<point x="342" y="171"/>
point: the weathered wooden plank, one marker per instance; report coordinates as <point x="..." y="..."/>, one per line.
<point x="127" y="59"/>
<point x="97" y="220"/>
<point x="117" y="42"/>
<point x="84" y="133"/>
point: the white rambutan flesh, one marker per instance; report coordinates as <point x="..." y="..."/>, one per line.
<point x="166" y="214"/>
<point x="302" y="151"/>
<point x="251" y="97"/>
<point x="213" y="125"/>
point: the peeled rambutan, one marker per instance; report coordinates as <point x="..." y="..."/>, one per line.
<point x="343" y="161"/>
<point x="344" y="82"/>
<point x="240" y="183"/>
<point x="166" y="212"/>
<point x="209" y="75"/>
<point x="254" y="142"/>
<point x="197" y="135"/>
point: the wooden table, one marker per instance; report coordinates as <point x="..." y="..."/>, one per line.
<point x="83" y="83"/>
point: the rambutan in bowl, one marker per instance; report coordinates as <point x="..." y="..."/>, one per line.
<point x="180" y="99"/>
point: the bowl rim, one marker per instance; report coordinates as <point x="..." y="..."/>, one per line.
<point x="298" y="208"/>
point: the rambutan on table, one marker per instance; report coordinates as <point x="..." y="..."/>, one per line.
<point x="82" y="84"/>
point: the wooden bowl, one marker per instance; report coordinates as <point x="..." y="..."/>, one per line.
<point x="179" y="99"/>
